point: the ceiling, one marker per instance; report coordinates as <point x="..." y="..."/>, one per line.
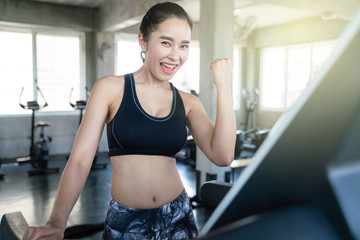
<point x="82" y="3"/>
<point x="267" y="12"/>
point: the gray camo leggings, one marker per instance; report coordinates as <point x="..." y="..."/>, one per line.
<point x="174" y="220"/>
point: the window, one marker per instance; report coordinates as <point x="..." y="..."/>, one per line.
<point x="58" y="69"/>
<point x="287" y="70"/>
<point x="188" y="77"/>
<point x="30" y="59"/>
<point x="128" y="54"/>
<point x="16" y="69"/>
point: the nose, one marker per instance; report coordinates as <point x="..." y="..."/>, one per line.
<point x="174" y="53"/>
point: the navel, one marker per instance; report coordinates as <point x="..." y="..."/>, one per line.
<point x="154" y="199"/>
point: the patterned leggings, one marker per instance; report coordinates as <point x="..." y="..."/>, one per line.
<point x="173" y="221"/>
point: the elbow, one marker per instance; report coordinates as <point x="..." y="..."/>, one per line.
<point x="224" y="161"/>
<point x="227" y="161"/>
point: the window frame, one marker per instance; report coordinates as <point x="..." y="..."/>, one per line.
<point x="311" y="45"/>
<point x="34" y="31"/>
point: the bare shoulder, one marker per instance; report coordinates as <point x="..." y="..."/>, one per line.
<point x="109" y="87"/>
<point x="110" y="91"/>
<point x="110" y="82"/>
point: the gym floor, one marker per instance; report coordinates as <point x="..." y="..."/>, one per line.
<point x="34" y="196"/>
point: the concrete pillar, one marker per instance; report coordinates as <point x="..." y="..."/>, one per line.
<point x="216" y="41"/>
<point x="105" y="54"/>
<point x="90" y="60"/>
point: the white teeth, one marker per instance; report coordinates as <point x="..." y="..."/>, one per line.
<point x="169" y="66"/>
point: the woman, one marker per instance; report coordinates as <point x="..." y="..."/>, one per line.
<point x="146" y="121"/>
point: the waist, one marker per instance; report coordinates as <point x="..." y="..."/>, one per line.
<point x="144" y="182"/>
<point x="180" y="198"/>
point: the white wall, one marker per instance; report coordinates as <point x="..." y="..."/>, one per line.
<point x="16" y="131"/>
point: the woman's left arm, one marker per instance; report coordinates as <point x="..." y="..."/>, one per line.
<point x="217" y="141"/>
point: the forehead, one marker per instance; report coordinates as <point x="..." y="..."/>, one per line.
<point x="174" y="27"/>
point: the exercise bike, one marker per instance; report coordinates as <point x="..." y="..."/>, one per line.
<point x="81" y="105"/>
<point x="249" y="140"/>
<point x="39" y="151"/>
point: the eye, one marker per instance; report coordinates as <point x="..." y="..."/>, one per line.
<point x="185" y="46"/>
<point x="165" y="43"/>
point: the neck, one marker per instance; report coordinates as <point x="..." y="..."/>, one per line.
<point x="143" y="76"/>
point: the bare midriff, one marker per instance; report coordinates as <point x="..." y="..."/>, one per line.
<point x="144" y="182"/>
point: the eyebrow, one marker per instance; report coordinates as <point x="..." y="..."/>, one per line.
<point x="171" y="39"/>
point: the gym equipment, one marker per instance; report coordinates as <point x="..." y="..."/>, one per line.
<point x="13" y="226"/>
<point x="188" y="153"/>
<point x="238" y="165"/>
<point x="189" y="150"/>
<point x="78" y="105"/>
<point x="249" y="140"/>
<point x="39" y="151"/>
<point x="212" y="193"/>
<point x="251" y="101"/>
<point x="81" y="105"/>
<point x="303" y="181"/>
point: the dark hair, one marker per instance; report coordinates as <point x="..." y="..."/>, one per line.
<point x="158" y="14"/>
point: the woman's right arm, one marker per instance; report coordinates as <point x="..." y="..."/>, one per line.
<point x="79" y="163"/>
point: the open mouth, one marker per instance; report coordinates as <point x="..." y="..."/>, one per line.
<point x="168" y="68"/>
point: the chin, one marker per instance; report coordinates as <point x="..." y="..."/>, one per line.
<point x="167" y="76"/>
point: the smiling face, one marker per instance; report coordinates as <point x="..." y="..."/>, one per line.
<point x="167" y="48"/>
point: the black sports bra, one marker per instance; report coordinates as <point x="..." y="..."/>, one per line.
<point x="133" y="131"/>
